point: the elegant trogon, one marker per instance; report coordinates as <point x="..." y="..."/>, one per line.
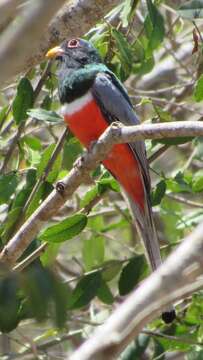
<point x="93" y="98"/>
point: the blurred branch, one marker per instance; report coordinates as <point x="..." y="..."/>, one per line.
<point x="24" y="45"/>
<point x="176" y="278"/>
<point x="19" y="40"/>
<point x="64" y="189"/>
<point x="8" y="9"/>
<point x="181" y="339"/>
<point x="184" y="201"/>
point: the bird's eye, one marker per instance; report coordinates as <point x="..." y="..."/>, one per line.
<point x="74" y="43"/>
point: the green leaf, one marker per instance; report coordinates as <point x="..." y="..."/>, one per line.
<point x="86" y="289"/>
<point x="162" y="114"/>
<point x="93" y="252"/>
<point x="107" y="182"/>
<point x="23" y="101"/>
<point x="129" y="7"/>
<point x="158" y="193"/>
<point x="49" y="255"/>
<point x="10" y="221"/>
<point x="9" y="303"/>
<point x="8" y="184"/>
<point x="89" y="196"/>
<point x="137" y="348"/>
<point x="46" y="103"/>
<point x="42" y="288"/>
<point x="65" y="229"/>
<point x="72" y="149"/>
<point x="198" y="91"/>
<point x="197" y="181"/>
<point x="3" y="113"/>
<point x="45" y="115"/>
<point x="196" y="354"/>
<point x="33" y="142"/>
<point x="37" y="198"/>
<point x="111" y="269"/>
<point x="191" y="9"/>
<point x="158" y="31"/>
<point x="24" y="192"/>
<point x="131" y="274"/>
<point x="124" y="49"/>
<point x="104" y="294"/>
<point x="178" y="184"/>
<point x="46" y="155"/>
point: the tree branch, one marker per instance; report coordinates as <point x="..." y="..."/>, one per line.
<point x="24" y="46"/>
<point x="64" y="189"/>
<point x="18" y="42"/>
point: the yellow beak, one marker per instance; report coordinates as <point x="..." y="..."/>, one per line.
<point x="56" y="51"/>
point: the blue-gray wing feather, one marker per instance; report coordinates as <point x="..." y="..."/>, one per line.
<point x="116" y="106"/>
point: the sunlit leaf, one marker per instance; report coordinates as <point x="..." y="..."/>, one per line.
<point x="33" y="142"/>
<point x="45" y="115"/>
<point x="197" y="181"/>
<point x="129" y="7"/>
<point x="93" y="252"/>
<point x="198" y="91"/>
<point x="65" y="229"/>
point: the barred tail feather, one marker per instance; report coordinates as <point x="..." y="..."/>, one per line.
<point x="147" y="233"/>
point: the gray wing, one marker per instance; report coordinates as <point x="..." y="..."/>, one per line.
<point x="116" y="106"/>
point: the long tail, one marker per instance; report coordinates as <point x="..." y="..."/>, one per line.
<point x="147" y="232"/>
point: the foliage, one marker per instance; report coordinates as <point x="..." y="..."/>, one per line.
<point x="91" y="243"/>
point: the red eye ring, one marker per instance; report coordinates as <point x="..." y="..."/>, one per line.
<point x="73" y="43"/>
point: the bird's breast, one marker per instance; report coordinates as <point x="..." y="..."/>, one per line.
<point x="84" y="118"/>
<point x="87" y="123"/>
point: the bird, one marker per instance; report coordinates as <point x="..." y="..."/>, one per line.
<point x="92" y="98"/>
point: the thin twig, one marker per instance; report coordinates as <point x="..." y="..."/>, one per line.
<point x="184" y="201"/>
<point x="181" y="339"/>
<point x="48" y="168"/>
<point x="12" y="147"/>
<point x="30" y="258"/>
<point x="5" y="116"/>
<point x="158" y="153"/>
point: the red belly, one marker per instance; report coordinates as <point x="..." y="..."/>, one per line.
<point x="87" y="125"/>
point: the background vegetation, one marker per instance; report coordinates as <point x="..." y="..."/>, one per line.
<point x="88" y="257"/>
